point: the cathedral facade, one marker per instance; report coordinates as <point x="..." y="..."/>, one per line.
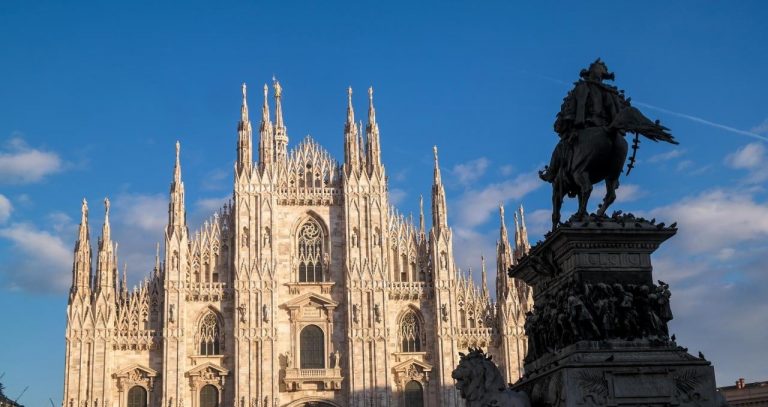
<point x="307" y="289"/>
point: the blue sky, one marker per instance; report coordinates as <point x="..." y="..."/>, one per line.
<point x="94" y="96"/>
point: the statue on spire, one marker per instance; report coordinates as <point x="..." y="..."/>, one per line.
<point x="592" y="122"/>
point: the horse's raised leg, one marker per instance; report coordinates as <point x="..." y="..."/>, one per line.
<point x="585" y="190"/>
<point x="610" y="195"/>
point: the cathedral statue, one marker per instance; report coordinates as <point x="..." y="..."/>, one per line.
<point x="592" y="122"/>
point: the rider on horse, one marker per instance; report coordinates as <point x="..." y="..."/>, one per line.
<point x="591" y="103"/>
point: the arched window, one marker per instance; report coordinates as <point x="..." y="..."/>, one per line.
<point x="414" y="394"/>
<point x="209" y="335"/>
<point x="137" y="397"/>
<point x="463" y="318"/>
<point x="410" y="333"/>
<point x="312" y="343"/>
<point x="209" y="396"/>
<point x="311" y="250"/>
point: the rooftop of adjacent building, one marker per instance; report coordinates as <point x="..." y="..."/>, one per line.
<point x="743" y="393"/>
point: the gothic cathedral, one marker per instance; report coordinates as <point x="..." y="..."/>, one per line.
<point x="307" y="289"/>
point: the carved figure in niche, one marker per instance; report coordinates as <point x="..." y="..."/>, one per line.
<point x="171" y="313"/>
<point x="335" y="358"/>
<point x="354" y="237"/>
<point x="377" y="312"/>
<point x="444" y="312"/>
<point x="443" y="260"/>
<point x="266" y="237"/>
<point x="241" y="310"/>
<point x="265" y="313"/>
<point x="288" y="359"/>
<point x="356" y="313"/>
<point x="244" y="237"/>
<point x="481" y="384"/>
<point x="266" y="401"/>
<point x="376" y="238"/>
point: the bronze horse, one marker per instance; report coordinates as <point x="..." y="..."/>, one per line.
<point x="595" y="154"/>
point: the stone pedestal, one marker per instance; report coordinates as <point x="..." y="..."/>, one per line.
<point x="598" y="333"/>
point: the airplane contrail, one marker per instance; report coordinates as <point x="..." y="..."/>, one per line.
<point x="704" y="121"/>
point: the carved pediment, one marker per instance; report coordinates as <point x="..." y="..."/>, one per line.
<point x="135" y="374"/>
<point x="135" y="369"/>
<point x="207" y="373"/>
<point x="411" y="369"/>
<point x="206" y="369"/>
<point x="406" y="365"/>
<point x="311" y="300"/>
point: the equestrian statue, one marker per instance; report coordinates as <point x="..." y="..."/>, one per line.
<point x="592" y="122"/>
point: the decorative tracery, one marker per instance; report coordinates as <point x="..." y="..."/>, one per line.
<point x="410" y="333"/>
<point x="209" y="335"/>
<point x="311" y="251"/>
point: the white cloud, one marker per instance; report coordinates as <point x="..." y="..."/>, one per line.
<point x="396" y="196"/>
<point x="475" y="206"/>
<point x="147" y="212"/>
<point x="666" y="156"/>
<point x="470" y="171"/>
<point x="42" y="261"/>
<point x="625" y="193"/>
<point x="20" y="164"/>
<point x="753" y="158"/>
<point x="761" y="128"/>
<point x="216" y="180"/>
<point x="209" y="205"/>
<point x="716" y="219"/>
<point x="5" y="208"/>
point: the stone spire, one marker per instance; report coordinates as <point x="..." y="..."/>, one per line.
<point x="439" y="208"/>
<point x="106" y="271"/>
<point x="81" y="268"/>
<point x="518" y="236"/>
<point x="351" y="149"/>
<point x="266" y="138"/>
<point x="524" y="245"/>
<point x="244" y="138"/>
<point x="372" y="132"/>
<point x="157" y="260"/>
<point x="504" y="256"/>
<point x="422" y="228"/>
<point x="281" y="133"/>
<point x="361" y="145"/>
<point x="484" y="277"/>
<point x="177" y="216"/>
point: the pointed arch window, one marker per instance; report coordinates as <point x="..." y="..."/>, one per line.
<point x="311" y="251"/>
<point x="210" y="335"/>
<point x="410" y="333"/>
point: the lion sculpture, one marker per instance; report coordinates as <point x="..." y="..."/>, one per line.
<point x="481" y="385"/>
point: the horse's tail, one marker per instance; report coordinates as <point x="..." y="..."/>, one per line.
<point x="631" y="120"/>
